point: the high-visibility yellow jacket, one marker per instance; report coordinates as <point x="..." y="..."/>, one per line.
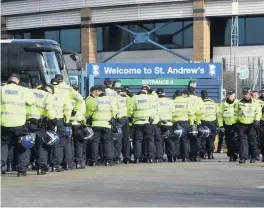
<point x="226" y="113"/>
<point x="166" y="110"/>
<point x="246" y="112"/>
<point x="182" y="110"/>
<point x="14" y="99"/>
<point x="208" y="110"/>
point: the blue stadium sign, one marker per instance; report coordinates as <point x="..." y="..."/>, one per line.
<point x="155" y="70"/>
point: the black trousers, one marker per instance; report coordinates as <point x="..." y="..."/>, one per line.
<point x="125" y="138"/>
<point x="58" y="149"/>
<point x="231" y="143"/>
<point x="195" y="143"/>
<point x="220" y="141"/>
<point x="158" y="142"/>
<point x="143" y="132"/>
<point x="79" y="143"/>
<point x="104" y="135"/>
<point x="208" y="143"/>
<point x="185" y="147"/>
<point x="10" y="135"/>
<point x="247" y="136"/>
<point x="172" y="145"/>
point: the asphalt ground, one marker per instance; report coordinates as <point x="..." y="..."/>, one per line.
<point x="208" y="183"/>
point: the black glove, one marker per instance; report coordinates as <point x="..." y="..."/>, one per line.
<point x="73" y="113"/>
<point x="89" y="121"/>
<point x="51" y="123"/>
<point x="130" y="119"/>
<point x="151" y="120"/>
<point x="112" y="122"/>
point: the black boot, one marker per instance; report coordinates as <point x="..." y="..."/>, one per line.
<point x="79" y="166"/>
<point x="57" y="168"/>
<point x="150" y="160"/>
<point x="241" y="161"/>
<point x="235" y="157"/>
<point x="253" y="160"/>
<point x="109" y="163"/>
<point x="9" y="168"/>
<point x="170" y="159"/>
<point x="136" y="160"/>
<point x="231" y="159"/>
<point x="41" y="171"/>
<point x="21" y="174"/>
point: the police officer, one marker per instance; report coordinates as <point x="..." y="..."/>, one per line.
<point x="77" y="120"/>
<point x="38" y="116"/>
<point x="13" y="118"/>
<point x="208" y="118"/>
<point x="227" y="124"/>
<point x="195" y="141"/>
<point x="140" y="111"/>
<point x="166" y="126"/>
<point x="89" y="103"/>
<point x="69" y="95"/>
<point x="182" y="116"/>
<point x="248" y="113"/>
<point x="103" y="116"/>
<point x="122" y="119"/>
<point x="261" y="100"/>
<point x="63" y="109"/>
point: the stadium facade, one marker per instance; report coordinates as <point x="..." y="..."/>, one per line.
<point x="200" y="29"/>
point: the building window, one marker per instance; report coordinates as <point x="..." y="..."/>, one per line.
<point x="70" y="39"/>
<point x="178" y="34"/>
<point x="251" y="31"/>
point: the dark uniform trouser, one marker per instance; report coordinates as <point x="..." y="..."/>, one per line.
<point x="78" y="144"/>
<point x="184" y="141"/>
<point x="12" y="134"/>
<point x="231" y="143"/>
<point x="57" y="150"/>
<point x="247" y="136"/>
<point x="104" y="135"/>
<point x="220" y="141"/>
<point x="41" y="150"/>
<point x="208" y="143"/>
<point x="143" y="132"/>
<point x="158" y="142"/>
<point x="125" y="138"/>
<point x="172" y="145"/>
<point x="11" y="159"/>
<point x="195" y="143"/>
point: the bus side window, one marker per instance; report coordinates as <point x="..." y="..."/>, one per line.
<point x="5" y="60"/>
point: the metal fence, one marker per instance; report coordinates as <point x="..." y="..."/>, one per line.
<point x="231" y="73"/>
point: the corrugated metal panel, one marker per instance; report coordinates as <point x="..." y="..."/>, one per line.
<point x="163" y="11"/>
<point x="21" y="22"/>
<point x="51" y="5"/>
<point x="19" y="7"/>
<point x="98" y="3"/>
<point x="114" y="14"/>
<point x="61" y="18"/>
<point x="43" y="20"/>
<point x="224" y="7"/>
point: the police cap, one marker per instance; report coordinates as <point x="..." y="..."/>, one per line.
<point x="101" y="88"/>
<point x="54" y="81"/>
<point x="178" y="92"/>
<point x="160" y="91"/>
<point x="37" y="84"/>
<point x="59" y="77"/>
<point x="107" y="82"/>
<point x="93" y="88"/>
<point x="15" y="75"/>
<point x="246" y="90"/>
<point x="230" y="92"/>
<point x="186" y="92"/>
<point x="204" y="93"/>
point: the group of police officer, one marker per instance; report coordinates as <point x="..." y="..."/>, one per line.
<point x="53" y="128"/>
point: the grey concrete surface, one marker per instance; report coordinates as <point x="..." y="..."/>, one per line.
<point x="208" y="183"/>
